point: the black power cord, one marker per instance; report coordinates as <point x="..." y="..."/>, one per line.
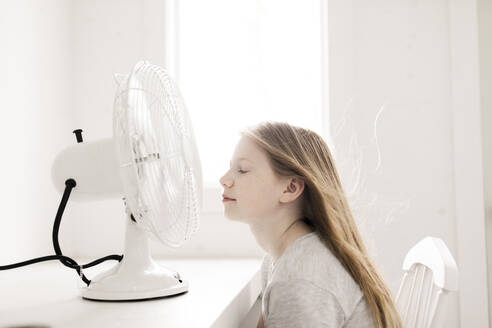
<point x="65" y="260"/>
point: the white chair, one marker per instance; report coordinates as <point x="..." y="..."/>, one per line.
<point x="430" y="278"/>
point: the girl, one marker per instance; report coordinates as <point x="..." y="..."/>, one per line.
<point x="316" y="272"/>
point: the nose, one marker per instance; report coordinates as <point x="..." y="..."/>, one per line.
<point x="226" y="181"/>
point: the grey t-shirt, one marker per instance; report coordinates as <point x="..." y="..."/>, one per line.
<point x="309" y="287"/>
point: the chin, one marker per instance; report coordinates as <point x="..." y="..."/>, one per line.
<point x="233" y="217"/>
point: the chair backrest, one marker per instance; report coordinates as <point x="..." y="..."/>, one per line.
<point x="430" y="276"/>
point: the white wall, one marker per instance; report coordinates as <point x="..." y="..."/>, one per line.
<point x="35" y="63"/>
<point x="485" y="30"/>
<point x="399" y="56"/>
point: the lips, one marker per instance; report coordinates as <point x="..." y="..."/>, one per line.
<point x="229" y="198"/>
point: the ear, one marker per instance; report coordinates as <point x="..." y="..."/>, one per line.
<point x="292" y="190"/>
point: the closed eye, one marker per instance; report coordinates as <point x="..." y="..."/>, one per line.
<point x="241" y="171"/>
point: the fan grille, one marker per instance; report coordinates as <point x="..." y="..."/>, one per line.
<point x="159" y="161"/>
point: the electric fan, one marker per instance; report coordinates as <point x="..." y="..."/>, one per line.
<point x="153" y="165"/>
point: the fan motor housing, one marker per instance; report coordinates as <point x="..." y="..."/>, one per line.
<point x="94" y="167"/>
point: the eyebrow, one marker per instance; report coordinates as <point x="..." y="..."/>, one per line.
<point x="241" y="159"/>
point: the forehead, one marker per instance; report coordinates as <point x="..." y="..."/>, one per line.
<point x="247" y="150"/>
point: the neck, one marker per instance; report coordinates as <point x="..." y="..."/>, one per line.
<point x="275" y="237"/>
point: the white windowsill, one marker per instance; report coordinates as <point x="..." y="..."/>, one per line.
<point x="221" y="293"/>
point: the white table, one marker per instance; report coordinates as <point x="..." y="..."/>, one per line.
<point x="221" y="293"/>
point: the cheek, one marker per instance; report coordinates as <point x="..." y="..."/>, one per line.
<point x="257" y="195"/>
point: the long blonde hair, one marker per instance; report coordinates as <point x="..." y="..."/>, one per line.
<point x="298" y="152"/>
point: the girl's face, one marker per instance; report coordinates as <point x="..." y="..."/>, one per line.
<point x="250" y="181"/>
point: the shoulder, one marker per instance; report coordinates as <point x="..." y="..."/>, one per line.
<point x="311" y="261"/>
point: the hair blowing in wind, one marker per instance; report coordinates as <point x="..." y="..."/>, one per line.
<point x="301" y="153"/>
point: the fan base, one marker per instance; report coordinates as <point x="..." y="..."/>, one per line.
<point x="93" y="295"/>
<point x="115" y="285"/>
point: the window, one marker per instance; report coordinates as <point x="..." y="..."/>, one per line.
<point x="243" y="62"/>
